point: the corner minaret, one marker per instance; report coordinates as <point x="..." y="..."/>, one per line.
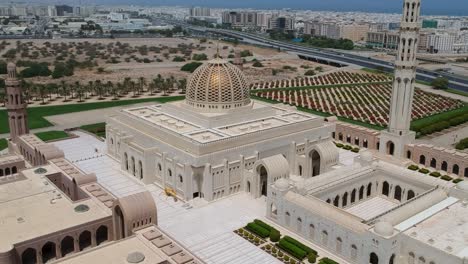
<point x="398" y="134"/>
<point x="15" y="105"/>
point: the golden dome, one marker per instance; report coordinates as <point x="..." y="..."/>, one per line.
<point x="217" y="86"/>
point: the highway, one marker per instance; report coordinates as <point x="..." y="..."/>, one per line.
<point x="456" y="82"/>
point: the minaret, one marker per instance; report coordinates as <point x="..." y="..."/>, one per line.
<point x="398" y="134"/>
<point x="15" y="105"/>
<point x="238" y="61"/>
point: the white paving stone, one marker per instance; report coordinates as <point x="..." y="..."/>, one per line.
<point x="206" y="229"/>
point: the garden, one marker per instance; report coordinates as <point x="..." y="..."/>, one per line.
<point x="285" y="248"/>
<point x="36" y="115"/>
<point x="363" y="98"/>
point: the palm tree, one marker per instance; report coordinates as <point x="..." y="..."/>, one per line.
<point x="98" y="87"/>
<point x="134" y="88"/>
<point x="182" y="85"/>
<point x="64" y="90"/>
<point x="141" y="84"/>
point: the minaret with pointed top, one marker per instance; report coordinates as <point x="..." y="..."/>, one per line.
<point x="238" y="61"/>
<point x="398" y="133"/>
<point x="15" y="105"/>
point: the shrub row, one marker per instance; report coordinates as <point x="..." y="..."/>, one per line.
<point x="299" y="245"/>
<point x="446" y="178"/>
<point x="413" y="167"/>
<point x="327" y="261"/>
<point x="463" y="144"/>
<point x="258" y="230"/>
<point x="292" y="249"/>
<point x="264" y="225"/>
<point x="424" y="171"/>
<point x="440" y="122"/>
<point x="347" y="147"/>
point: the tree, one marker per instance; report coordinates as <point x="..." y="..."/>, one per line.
<point x="440" y="83"/>
<point x="309" y="73"/>
<point x="257" y="64"/>
<point x="191" y="67"/>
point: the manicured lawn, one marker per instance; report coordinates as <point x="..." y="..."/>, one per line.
<point x="3" y="144"/>
<point x="457" y="92"/>
<point x="52" y="135"/>
<point x="98" y="129"/>
<point x="36" y="114"/>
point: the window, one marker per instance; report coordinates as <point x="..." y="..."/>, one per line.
<point x="324" y="238"/>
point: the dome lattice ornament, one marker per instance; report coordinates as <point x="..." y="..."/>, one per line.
<point x="217" y="86"/>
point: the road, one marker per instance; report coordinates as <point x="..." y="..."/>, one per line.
<point x="457" y="82"/>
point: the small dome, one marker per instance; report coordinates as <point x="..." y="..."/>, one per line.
<point x="11" y="66"/>
<point x="217" y="86"/>
<point x="367" y="156"/>
<point x="282" y="184"/>
<point x="463" y="185"/>
<point x="384" y="229"/>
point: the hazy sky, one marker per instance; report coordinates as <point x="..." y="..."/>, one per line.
<point x="430" y="7"/>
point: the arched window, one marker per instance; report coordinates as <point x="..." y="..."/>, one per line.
<point x="133" y="167"/>
<point x="408" y="154"/>
<point x="101" y="235"/>
<point x="353" y="252"/>
<point x="392" y="259"/>
<point x="398" y="191"/>
<point x="312" y="231"/>
<point x="48" y="252"/>
<point x="299" y="225"/>
<point x="385" y="188"/>
<point x="169" y="172"/>
<point x="353" y="196"/>
<point x="444" y="166"/>
<point x="287" y="218"/>
<point x="324" y="238"/>
<point x="85" y="240"/>
<point x="455" y="169"/>
<point x="140" y="166"/>
<point x="336" y="202"/>
<point x="369" y="189"/>
<point x="126" y="161"/>
<point x="300" y="170"/>
<point x="339" y="244"/>
<point x="410" y="195"/>
<point x="373" y="259"/>
<point x="274" y="210"/>
<point x="181" y="179"/>
<point x="159" y="167"/>
<point x="67" y="246"/>
<point x="422" y="160"/>
<point x="344" y="200"/>
<point x="433" y="163"/>
<point x="411" y="258"/>
<point x="29" y="256"/>
<point x="361" y="193"/>
<point x="7" y="171"/>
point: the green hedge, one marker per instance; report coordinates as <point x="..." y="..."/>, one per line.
<point x="424" y="171"/>
<point x="258" y="230"/>
<point x="413" y="167"/>
<point x="292" y="249"/>
<point x="275" y="235"/>
<point x="264" y="225"/>
<point x="457" y="180"/>
<point x="435" y="174"/>
<point x="439" y="122"/>
<point x="463" y="144"/>
<point x="299" y="245"/>
<point x="446" y="178"/>
<point x="312" y="258"/>
<point x="327" y="261"/>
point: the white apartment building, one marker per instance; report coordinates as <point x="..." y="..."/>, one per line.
<point x="441" y="42"/>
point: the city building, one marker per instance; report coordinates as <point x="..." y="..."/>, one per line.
<point x="384" y="39"/>
<point x="441" y="42"/>
<point x="281" y="23"/>
<point x="355" y="32"/>
<point x="200" y="12"/>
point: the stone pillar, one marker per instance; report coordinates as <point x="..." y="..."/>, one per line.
<point x="76" y="245"/>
